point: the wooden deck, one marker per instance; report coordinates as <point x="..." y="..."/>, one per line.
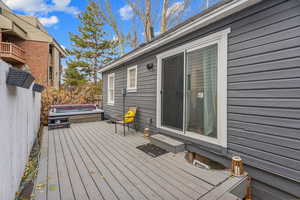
<point x="89" y="162"/>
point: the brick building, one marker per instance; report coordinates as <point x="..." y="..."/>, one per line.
<point x="25" y="43"/>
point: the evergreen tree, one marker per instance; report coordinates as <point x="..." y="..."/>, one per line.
<point x="91" y="50"/>
<point x="72" y="76"/>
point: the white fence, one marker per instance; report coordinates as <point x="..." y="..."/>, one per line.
<point x="19" y="124"/>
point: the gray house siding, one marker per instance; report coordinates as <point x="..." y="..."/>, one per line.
<point x="263" y="95"/>
<point x="144" y="98"/>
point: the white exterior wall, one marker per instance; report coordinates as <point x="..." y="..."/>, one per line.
<point x="19" y="124"/>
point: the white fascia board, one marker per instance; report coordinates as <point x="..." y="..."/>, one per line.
<point x="211" y="17"/>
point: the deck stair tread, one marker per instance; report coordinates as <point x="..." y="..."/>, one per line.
<point x="167" y="143"/>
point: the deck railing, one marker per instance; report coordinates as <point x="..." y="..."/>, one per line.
<point x="7" y="49"/>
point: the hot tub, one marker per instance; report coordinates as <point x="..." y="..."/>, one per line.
<point x="77" y="112"/>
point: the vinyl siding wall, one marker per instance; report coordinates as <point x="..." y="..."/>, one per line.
<point x="263" y="94"/>
<point x="144" y="98"/>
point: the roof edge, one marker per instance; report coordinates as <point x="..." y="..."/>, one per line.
<point x="204" y="20"/>
<point x="60" y="48"/>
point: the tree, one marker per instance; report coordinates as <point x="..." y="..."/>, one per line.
<point x="108" y="17"/>
<point x="169" y="16"/>
<point x="146" y="13"/>
<point x="72" y="76"/>
<point x="91" y="50"/>
<point x="163" y="23"/>
<point x="143" y="12"/>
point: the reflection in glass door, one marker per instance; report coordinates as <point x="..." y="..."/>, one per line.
<point x="201" y="91"/>
<point x="172" y="91"/>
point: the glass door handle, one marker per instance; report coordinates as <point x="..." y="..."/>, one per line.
<point x="200" y="95"/>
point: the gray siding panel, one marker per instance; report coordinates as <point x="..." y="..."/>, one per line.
<point x="267" y="93"/>
<point x="269" y="84"/>
<point x="268" y="75"/>
<point x="263" y="92"/>
<point x="266" y="57"/>
<point x="267" y="130"/>
<point x="144" y="98"/>
<point x="291" y="144"/>
<point x="275" y="103"/>
<point x="273" y="38"/>
<point x="265" y="192"/>
<point x="271" y="29"/>
<point x="262" y="67"/>
<point x="265" y="120"/>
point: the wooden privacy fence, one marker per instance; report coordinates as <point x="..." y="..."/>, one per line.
<point x="19" y="124"/>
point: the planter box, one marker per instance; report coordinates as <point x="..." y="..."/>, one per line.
<point x="19" y="78"/>
<point x="37" y="87"/>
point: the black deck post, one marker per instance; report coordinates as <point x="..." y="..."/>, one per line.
<point x="124" y="95"/>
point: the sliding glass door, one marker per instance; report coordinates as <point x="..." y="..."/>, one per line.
<point x="172" y="91"/>
<point x="191" y="109"/>
<point x="192" y="89"/>
<point x="201" y="91"/>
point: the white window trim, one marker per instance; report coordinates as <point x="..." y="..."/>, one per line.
<point x="220" y="38"/>
<point x="131" y="89"/>
<point x="111" y="103"/>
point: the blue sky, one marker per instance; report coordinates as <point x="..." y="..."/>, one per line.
<point x="59" y="16"/>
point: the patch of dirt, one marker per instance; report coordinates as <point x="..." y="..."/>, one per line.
<point x="31" y="169"/>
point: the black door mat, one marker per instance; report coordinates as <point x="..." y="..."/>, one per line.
<point x="152" y="150"/>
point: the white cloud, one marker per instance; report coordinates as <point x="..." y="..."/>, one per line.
<point x="175" y="9"/>
<point x="49" y="21"/>
<point x="126" y="12"/>
<point x="64" y="6"/>
<point x="28" y="6"/>
<point x="41" y="7"/>
<point x="61" y="3"/>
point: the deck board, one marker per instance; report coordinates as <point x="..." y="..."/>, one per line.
<point x="79" y="188"/>
<point x="84" y="173"/>
<point x="122" y="165"/>
<point x="89" y="162"/>
<point x="105" y="171"/>
<point x="53" y="189"/>
<point x="173" y="179"/>
<point x="64" y="179"/>
<point x="114" y="168"/>
<point x="101" y="183"/>
<point x="168" y="184"/>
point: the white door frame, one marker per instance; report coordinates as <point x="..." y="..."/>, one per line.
<point x="219" y="38"/>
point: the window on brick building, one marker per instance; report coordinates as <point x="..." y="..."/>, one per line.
<point x="51" y="73"/>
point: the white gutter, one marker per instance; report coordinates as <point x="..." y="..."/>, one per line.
<point x="213" y="16"/>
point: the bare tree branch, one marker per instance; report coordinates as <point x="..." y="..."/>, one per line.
<point x="144" y="15"/>
<point x="163" y="23"/>
<point x="110" y="19"/>
<point x="148" y="24"/>
<point x="176" y="17"/>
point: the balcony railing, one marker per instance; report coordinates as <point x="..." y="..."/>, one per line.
<point x="11" y="52"/>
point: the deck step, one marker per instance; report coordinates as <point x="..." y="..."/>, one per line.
<point x="167" y="143"/>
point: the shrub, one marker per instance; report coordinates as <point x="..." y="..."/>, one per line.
<point x="86" y="94"/>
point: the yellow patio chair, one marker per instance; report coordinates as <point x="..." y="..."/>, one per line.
<point x="128" y="119"/>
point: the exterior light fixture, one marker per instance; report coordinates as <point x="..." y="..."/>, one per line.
<point x="149" y="66"/>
